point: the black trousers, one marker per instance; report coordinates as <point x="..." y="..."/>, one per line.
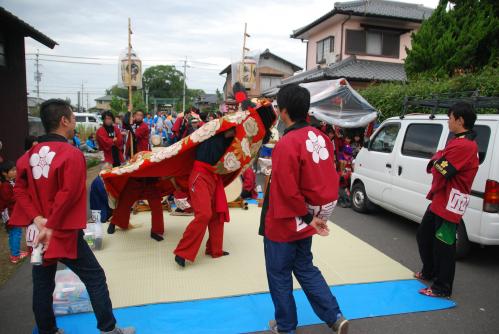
<point x="439" y="258"/>
<point x="91" y="274"/>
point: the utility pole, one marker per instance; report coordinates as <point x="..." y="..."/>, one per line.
<point x="183" y="96"/>
<point x="130" y="102"/>
<point x="38" y="75"/>
<point x="78" y="108"/>
<point x="87" y="101"/>
<point x="245" y="49"/>
<point x="82" y="97"/>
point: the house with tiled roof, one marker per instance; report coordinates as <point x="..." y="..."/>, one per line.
<point x="271" y="70"/>
<point x="104" y="102"/>
<point x="362" y="41"/>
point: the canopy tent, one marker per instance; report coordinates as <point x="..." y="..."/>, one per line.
<point x="337" y="103"/>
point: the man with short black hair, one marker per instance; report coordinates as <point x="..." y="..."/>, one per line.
<point x="453" y="170"/>
<point x="141" y="131"/>
<point x="110" y="140"/>
<point x="50" y="192"/>
<point x="302" y="194"/>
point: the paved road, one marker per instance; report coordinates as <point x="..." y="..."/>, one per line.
<point x="476" y="287"/>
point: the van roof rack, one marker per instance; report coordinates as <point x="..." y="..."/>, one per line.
<point x="446" y="100"/>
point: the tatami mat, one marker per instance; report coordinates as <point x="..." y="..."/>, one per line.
<point x="142" y="271"/>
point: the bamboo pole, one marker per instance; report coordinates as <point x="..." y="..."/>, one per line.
<point x="129" y="79"/>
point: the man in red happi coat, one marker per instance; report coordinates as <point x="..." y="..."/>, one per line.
<point x="302" y="194"/>
<point x="110" y="140"/>
<point x="50" y="193"/>
<point x="207" y="195"/>
<point x="453" y="170"/>
<point x="207" y="192"/>
<point x="138" y="133"/>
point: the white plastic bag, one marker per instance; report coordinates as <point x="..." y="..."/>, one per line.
<point x="70" y="294"/>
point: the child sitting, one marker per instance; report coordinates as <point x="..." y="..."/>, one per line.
<point x="344" y="173"/>
<point x="8" y="178"/>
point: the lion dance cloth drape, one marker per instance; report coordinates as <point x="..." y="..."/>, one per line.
<point x="176" y="161"/>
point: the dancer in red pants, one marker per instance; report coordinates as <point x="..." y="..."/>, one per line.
<point x="136" y="189"/>
<point x="208" y="199"/>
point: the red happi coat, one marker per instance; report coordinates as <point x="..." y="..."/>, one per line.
<point x="453" y="170"/>
<point x="6" y="198"/>
<point x="177" y="160"/>
<point x="303" y="175"/>
<point x="106" y="143"/>
<point x="142" y="136"/>
<point x="249" y="182"/>
<point x="51" y="182"/>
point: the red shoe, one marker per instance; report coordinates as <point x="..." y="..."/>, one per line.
<point x="14" y="259"/>
<point x="23" y="255"/>
<point x="431" y="293"/>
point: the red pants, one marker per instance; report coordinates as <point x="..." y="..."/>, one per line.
<point x="202" y="189"/>
<point x="135" y="190"/>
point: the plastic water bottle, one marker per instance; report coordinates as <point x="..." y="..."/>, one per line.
<point x="36" y="255"/>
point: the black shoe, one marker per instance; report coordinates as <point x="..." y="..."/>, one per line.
<point x="224" y="253"/>
<point x="180" y="261"/>
<point x="111" y="228"/>
<point x="157" y="237"/>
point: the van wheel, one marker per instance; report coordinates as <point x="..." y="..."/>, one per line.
<point x="360" y="201"/>
<point x="463" y="244"/>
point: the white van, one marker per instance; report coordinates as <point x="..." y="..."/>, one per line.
<point x="391" y="172"/>
<point x="88" y="120"/>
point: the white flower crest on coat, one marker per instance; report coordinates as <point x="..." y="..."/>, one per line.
<point x="317" y="146"/>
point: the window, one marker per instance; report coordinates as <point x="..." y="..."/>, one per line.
<point x="81" y="119"/>
<point x="385" y="138"/>
<point x="421" y="140"/>
<point x="92" y="119"/>
<point x="3" y="56"/>
<point x="373" y="42"/>
<point x="482" y="139"/>
<point x="324" y="48"/>
<point x="267" y="82"/>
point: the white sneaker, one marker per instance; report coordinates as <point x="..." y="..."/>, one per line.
<point x="117" y="330"/>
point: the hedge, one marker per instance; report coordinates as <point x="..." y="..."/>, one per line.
<point x="388" y="98"/>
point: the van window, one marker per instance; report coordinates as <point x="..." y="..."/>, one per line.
<point x="81" y="119"/>
<point x="92" y="119"/>
<point x="421" y="140"/>
<point x="482" y="139"/>
<point x="385" y="138"/>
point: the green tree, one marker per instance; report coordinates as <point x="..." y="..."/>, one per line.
<point x="193" y="96"/>
<point x="164" y="81"/>
<point x="117" y="91"/>
<point x="118" y="105"/>
<point x="138" y="101"/>
<point x="463" y="38"/>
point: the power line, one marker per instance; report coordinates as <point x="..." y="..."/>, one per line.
<point x="61" y="56"/>
<point x="111" y="58"/>
<point x="71" y="62"/>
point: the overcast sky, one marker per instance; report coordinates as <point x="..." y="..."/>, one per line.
<point x="209" y="33"/>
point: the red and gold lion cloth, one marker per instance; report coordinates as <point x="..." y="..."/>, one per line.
<point x="176" y="161"/>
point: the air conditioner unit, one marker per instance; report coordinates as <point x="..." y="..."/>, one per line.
<point x="331" y="58"/>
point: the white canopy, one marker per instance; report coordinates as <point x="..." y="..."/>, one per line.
<point x="337" y="103"/>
